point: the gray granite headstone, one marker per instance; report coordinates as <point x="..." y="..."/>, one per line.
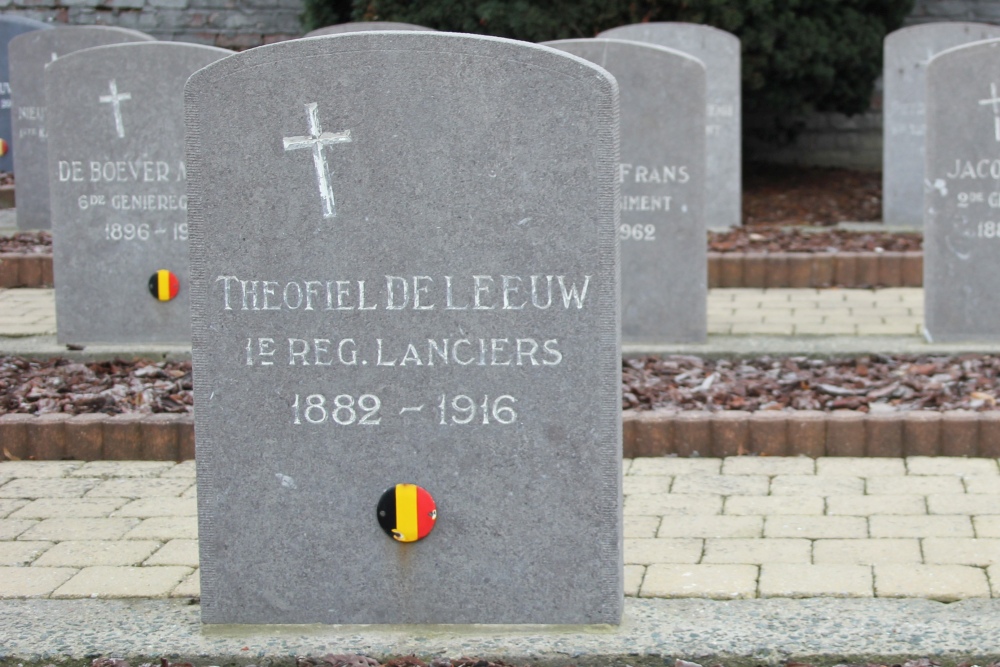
<point x="10" y="27"/>
<point x="364" y="26"/>
<point x="373" y="243"/>
<point x="720" y="53"/>
<point x="115" y="123"/>
<point x="29" y="54"/>
<point x="662" y="176"/>
<point x="962" y="196"/>
<point x="906" y="54"/>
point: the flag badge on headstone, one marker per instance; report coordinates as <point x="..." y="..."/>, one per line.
<point x="163" y="285"/>
<point x="4" y="147"/>
<point x="407" y="512"/>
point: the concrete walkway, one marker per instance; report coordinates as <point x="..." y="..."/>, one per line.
<point x="742" y="527"/>
<point x="731" y="312"/>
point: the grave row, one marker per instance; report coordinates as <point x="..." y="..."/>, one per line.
<point x="406" y="260"/>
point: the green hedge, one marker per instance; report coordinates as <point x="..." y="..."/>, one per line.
<point x="798" y="55"/>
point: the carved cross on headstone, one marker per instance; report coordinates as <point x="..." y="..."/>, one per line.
<point x="994" y="101"/>
<point x="115" y="99"/>
<point x="316" y="141"/>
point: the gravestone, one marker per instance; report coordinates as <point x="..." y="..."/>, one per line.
<point x="115" y="122"/>
<point x="662" y="175"/>
<point x="906" y="54"/>
<point x="29" y="53"/>
<point x="375" y="242"/>
<point x="962" y="200"/>
<point x="720" y="53"/>
<point x="10" y="27"/>
<point x="364" y="26"/>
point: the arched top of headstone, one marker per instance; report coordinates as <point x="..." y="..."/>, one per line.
<point x="19" y="24"/>
<point x="592" y="45"/>
<point x="84" y="35"/>
<point x="690" y="37"/>
<point x="143" y="49"/>
<point x="972" y="49"/>
<point x="365" y="26"/>
<point x="960" y="29"/>
<point x="430" y="41"/>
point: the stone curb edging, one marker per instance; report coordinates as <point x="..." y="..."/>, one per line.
<point x="21" y="270"/>
<point x="725" y="269"/>
<point x="804" y="269"/>
<point x="97" y="437"/>
<point x="811" y="433"/>
<point x="646" y="433"/>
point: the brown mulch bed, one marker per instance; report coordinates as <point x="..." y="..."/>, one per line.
<point x="28" y="243"/>
<point x="110" y="387"/>
<point x="866" y="384"/>
<point x="777" y="238"/>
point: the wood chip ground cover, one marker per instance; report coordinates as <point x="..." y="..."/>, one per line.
<point x="867" y="383"/>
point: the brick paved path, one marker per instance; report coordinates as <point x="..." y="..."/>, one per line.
<point x="739" y="527"/>
<point x="779" y="312"/>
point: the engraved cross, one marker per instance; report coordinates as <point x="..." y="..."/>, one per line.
<point x="115" y="100"/>
<point x="994" y="100"/>
<point x="316" y="141"/>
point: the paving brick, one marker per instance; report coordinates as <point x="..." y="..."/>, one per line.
<point x="868" y="505"/>
<point x="661" y="504"/>
<point x="10" y="505"/>
<point x="633" y="580"/>
<point x="11" y="528"/>
<point x="756" y="551"/>
<point x="693" y="434"/>
<point x="87" y="553"/>
<point x="730" y="432"/>
<point x="973" y="484"/>
<point x="948" y="465"/>
<point x="183" y="552"/>
<point x="59" y="530"/>
<point x="164" y="528"/>
<point x="845" y="433"/>
<point x="944" y="583"/>
<point x="920" y="526"/>
<point x="768" y="465"/>
<point x="646" y="484"/>
<point x="815" y="485"/>
<point x="724" y="485"/>
<point x="963" y="504"/>
<point x="986" y="526"/>
<point x="140" y="488"/>
<point x="116" y="469"/>
<point x="640" y="526"/>
<point x="959" y="433"/>
<point x="32" y="582"/>
<point x="38" y="468"/>
<point x="672" y="465"/>
<point x="807" y="432"/>
<point x="46" y="488"/>
<point x="744" y="505"/>
<point x="768" y="433"/>
<point x="866" y="551"/>
<point x="661" y="550"/>
<point x="103" y="581"/>
<point x="145" y="508"/>
<point x="959" y="551"/>
<point x="186" y="469"/>
<point x="814" y="527"/>
<point x="700" y="581"/>
<point x="17" y="554"/>
<point x="804" y="580"/>
<point x="912" y="486"/>
<point x="853" y="466"/>
<point x="68" y="508"/>
<point x="191" y="586"/>
<point x="711" y="526"/>
<point x="763" y="329"/>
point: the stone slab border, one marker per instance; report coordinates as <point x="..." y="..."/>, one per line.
<point x="170" y="437"/>
<point x="811" y="433"/>
<point x="803" y="269"/>
<point x="725" y="269"/>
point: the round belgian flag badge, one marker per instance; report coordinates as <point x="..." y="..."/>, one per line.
<point x="163" y="285"/>
<point x="407" y="512"/>
<point x="4" y="147"/>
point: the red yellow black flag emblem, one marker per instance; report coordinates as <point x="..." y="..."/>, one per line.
<point x="407" y="512"/>
<point x="163" y="285"/>
<point x="4" y="147"/>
